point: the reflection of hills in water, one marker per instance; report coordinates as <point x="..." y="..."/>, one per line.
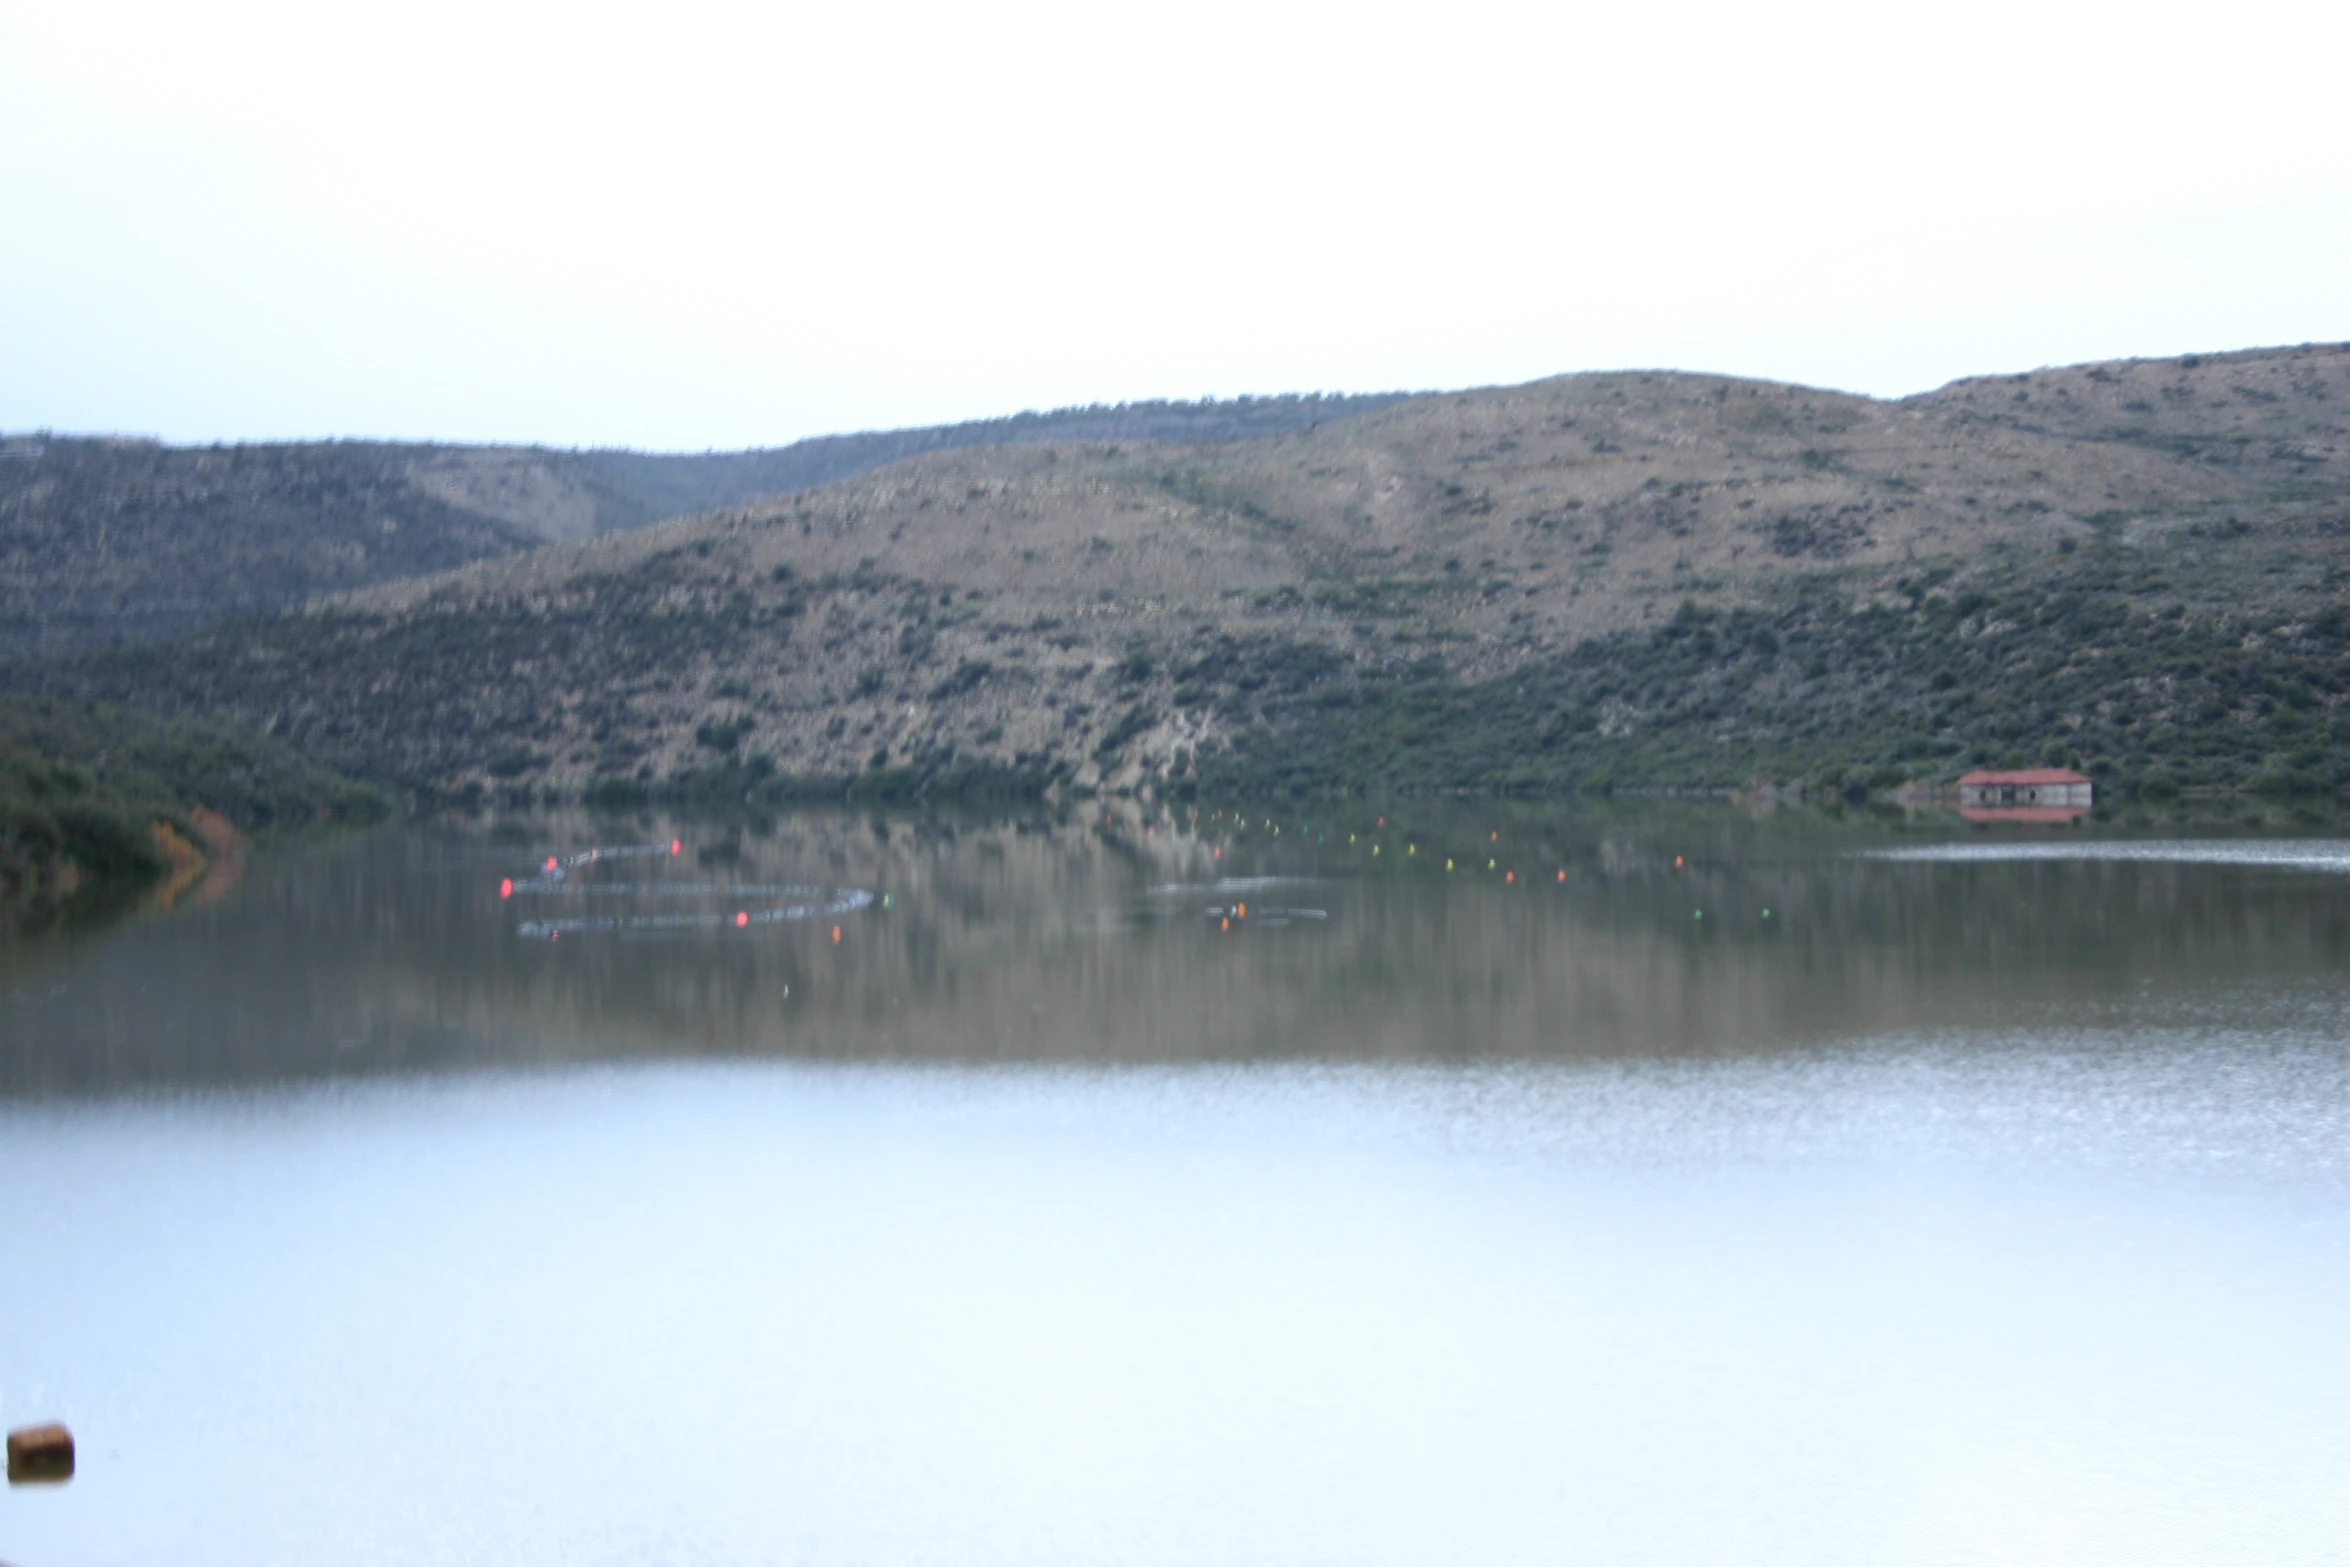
<point x="1120" y="936"/>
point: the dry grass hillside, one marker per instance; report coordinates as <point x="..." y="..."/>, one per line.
<point x="111" y="541"/>
<point x="1116" y="613"/>
<point x="2275" y="419"/>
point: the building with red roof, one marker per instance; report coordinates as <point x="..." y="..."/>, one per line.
<point x="2042" y="787"/>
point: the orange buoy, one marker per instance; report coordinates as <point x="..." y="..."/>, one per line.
<point x="1562" y="875"/>
<point x="836" y="935"/>
<point x="1225" y="923"/>
<point x="1242" y="911"/>
<point x="1509" y="875"/>
<point x="1676" y="862"/>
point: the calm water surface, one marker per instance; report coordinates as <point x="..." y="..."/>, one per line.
<point x="848" y="1191"/>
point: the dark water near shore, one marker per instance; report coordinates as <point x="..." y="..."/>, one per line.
<point x="1673" y="1187"/>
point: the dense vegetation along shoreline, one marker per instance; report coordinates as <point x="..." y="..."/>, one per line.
<point x="98" y="804"/>
<point x="1596" y="583"/>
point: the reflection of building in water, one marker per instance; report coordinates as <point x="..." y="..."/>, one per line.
<point x="2039" y="794"/>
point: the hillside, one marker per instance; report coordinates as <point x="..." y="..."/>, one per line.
<point x="1594" y="581"/>
<point x="678" y="484"/>
<point x="2276" y="420"/>
<point x="107" y="541"/>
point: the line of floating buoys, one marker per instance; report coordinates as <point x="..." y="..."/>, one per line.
<point x="1270" y="918"/>
<point x="847" y="900"/>
<point x="546" y="886"/>
<point x="619" y="851"/>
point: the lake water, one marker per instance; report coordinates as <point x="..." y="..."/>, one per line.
<point x="1675" y="1188"/>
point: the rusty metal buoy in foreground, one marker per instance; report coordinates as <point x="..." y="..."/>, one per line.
<point x="40" y="1453"/>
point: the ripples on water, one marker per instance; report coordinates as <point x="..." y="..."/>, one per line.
<point x="1971" y="1205"/>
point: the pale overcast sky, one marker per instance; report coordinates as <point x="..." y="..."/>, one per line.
<point x="694" y="225"/>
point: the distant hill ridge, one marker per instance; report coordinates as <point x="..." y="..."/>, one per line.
<point x="1638" y="579"/>
<point x="110" y="539"/>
